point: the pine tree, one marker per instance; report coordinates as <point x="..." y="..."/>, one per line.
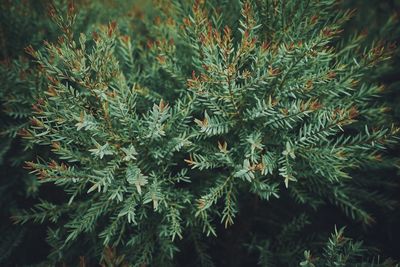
<point x="205" y="117"/>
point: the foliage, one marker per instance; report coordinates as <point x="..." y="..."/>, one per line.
<point x="165" y="133"/>
<point x="26" y="23"/>
<point x="341" y="251"/>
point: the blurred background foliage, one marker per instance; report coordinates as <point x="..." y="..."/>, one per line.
<point x="372" y="17"/>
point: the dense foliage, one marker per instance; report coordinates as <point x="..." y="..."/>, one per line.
<point x="228" y="130"/>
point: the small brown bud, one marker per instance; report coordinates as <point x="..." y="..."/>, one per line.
<point x="36" y="123"/>
<point x="29" y="165"/>
<point x="111" y="28"/>
<point x="353" y="112"/>
<point x="24" y="132"/>
<point x="125" y="39"/>
<point x="149" y="44"/>
<point x="56" y="146"/>
<point x="315" y="105"/>
<point x="265" y="46"/>
<point x="36" y="108"/>
<point x="71" y="8"/>
<point x="29" y="50"/>
<point x="51" y="91"/>
<point x="331" y="75"/>
<point x="161" y="59"/>
<point x="187" y="22"/>
<point x="95" y="36"/>
<point x="314" y="19"/>
<point x="157" y="21"/>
